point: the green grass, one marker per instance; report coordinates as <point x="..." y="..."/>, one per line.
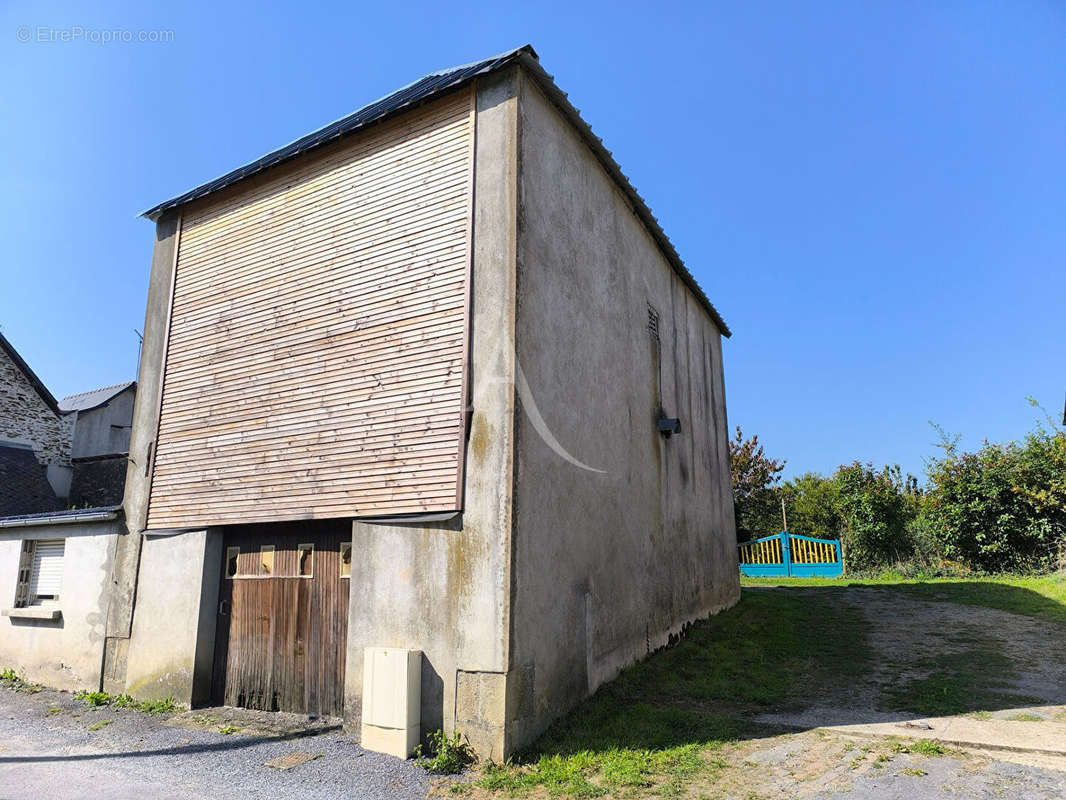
<point x="1042" y="597"/>
<point x="927" y="747"/>
<point x="978" y="677"/>
<point x="660" y="723"/>
<point x="101" y="724"/>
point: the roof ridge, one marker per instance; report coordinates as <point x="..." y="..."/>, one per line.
<point x="99" y="389"/>
<point x="434" y="85"/>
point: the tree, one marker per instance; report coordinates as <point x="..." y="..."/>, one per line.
<point x="755" y="478"/>
<point x="811" y="500"/>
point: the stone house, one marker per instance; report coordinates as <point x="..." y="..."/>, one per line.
<point x="35" y="437"/>
<point x="429" y="378"/>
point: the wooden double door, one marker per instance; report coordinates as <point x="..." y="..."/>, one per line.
<point x="282" y="630"/>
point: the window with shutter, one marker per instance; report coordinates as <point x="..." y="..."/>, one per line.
<point x="46" y="575"/>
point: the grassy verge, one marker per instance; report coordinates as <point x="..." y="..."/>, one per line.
<point x="1043" y="597"/>
<point x="653" y="729"/>
<point x="956" y="682"/>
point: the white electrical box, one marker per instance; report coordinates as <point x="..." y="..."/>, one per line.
<point x="392" y="700"/>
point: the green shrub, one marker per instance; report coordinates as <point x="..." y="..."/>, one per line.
<point x="874" y="513"/>
<point x="1000" y="509"/>
<point x="813" y="506"/>
<point x="451" y="755"/>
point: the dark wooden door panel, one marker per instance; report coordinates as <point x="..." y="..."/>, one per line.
<point x="282" y="636"/>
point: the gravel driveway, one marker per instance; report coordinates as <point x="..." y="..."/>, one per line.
<point x="47" y="750"/>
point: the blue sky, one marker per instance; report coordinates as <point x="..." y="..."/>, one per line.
<point x="873" y="194"/>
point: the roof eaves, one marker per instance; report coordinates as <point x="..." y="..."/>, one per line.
<point x="413" y="94"/>
<point x="37" y="383"/>
<point x="430" y="87"/>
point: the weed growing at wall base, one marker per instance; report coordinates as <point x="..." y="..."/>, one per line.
<point x="451" y="755"/>
<point x="12" y="680"/>
<point x="96" y="699"/>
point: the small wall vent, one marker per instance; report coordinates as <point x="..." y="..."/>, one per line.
<point x="653" y="322"/>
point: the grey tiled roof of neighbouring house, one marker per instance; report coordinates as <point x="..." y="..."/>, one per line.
<point x="24" y="486"/>
<point x="432" y="86"/>
<point x="97" y="397"/>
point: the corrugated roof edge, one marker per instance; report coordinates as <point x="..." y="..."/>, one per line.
<point x="430" y="86"/>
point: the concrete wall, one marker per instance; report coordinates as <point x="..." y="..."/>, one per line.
<point x="66" y="653"/>
<point x="105" y="430"/>
<point x="150" y="372"/>
<point x="142" y="437"/>
<point x="26" y="418"/>
<point x="610" y="561"/>
<point x="442" y="587"/>
<point x="172" y="645"/>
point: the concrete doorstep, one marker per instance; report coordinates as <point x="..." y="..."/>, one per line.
<point x="1039" y="743"/>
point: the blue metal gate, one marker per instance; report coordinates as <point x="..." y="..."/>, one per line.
<point x="791" y="555"/>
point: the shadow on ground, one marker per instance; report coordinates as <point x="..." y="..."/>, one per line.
<point x="187" y="749"/>
<point x="785" y="658"/>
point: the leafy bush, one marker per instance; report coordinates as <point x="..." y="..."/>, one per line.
<point x="451" y="755"/>
<point x="1002" y="508"/>
<point x="873" y="514"/>
<point x="811" y="500"/>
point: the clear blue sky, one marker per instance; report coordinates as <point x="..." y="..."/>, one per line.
<point x="873" y="194"/>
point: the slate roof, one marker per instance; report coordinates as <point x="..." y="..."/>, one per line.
<point x="427" y="88"/>
<point x="37" y="383"/>
<point x="97" y="397"/>
<point x="24" y="486"/>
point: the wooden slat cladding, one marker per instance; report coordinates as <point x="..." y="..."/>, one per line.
<point x="315" y="363"/>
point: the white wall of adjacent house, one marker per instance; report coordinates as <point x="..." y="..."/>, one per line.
<point x="73" y="564"/>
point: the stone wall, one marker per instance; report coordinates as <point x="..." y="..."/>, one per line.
<point x="26" y="418"/>
<point x="98" y="482"/>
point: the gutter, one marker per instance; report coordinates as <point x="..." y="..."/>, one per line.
<point x="90" y="516"/>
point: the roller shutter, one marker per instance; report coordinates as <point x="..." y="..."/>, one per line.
<point x="316" y="351"/>
<point x="47" y="576"/>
